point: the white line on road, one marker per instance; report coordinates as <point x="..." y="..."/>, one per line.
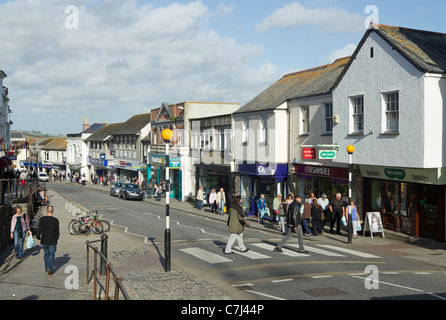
<point x="349" y="251"/>
<point x="264" y="295"/>
<point x="205" y="255"/>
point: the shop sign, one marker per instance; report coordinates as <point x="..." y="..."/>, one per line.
<point x="327" y="154"/>
<point x="333" y="172"/>
<point x="309" y="153"/>
<point x="161" y="161"/>
<point x="425" y="176"/>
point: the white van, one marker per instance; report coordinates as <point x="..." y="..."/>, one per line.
<point x="43" y="176"/>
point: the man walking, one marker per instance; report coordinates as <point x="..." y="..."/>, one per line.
<point x="48" y="234"/>
<point x="337" y="207"/>
<point x="294" y="220"/>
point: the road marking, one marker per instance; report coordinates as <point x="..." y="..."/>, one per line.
<point x="284" y="280"/>
<point x="404" y="287"/>
<point x="285" y="252"/>
<point x="321" y="277"/>
<point x="207" y="256"/>
<point x="264" y="295"/>
<point x="349" y="251"/>
<point x="249" y="254"/>
<point x="423" y="273"/>
<point x="317" y="250"/>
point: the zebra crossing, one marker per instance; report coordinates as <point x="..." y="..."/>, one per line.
<point x="267" y="250"/>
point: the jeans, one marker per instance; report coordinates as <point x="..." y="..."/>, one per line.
<point x="49" y="254"/>
<point x="158" y="196"/>
<point x="318" y="227"/>
<point x="306" y="225"/>
<point x="200" y="204"/>
<point x="282" y="223"/>
<point x="149" y="193"/>
<point x="221" y="207"/>
<point x="18" y="242"/>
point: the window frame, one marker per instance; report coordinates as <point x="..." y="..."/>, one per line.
<point x="357" y="118"/>
<point x="395" y="105"/>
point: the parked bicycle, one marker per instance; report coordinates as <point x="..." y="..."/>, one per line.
<point x="87" y="223"/>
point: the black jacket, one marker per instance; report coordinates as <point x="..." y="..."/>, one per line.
<point x="48" y="231"/>
<point x="294" y="218"/>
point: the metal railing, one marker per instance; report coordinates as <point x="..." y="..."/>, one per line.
<point x="105" y="267"/>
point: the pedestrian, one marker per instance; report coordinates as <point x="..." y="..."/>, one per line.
<point x="150" y="187"/>
<point x="337" y="208"/>
<point x="276" y="202"/>
<point x="306" y="216"/>
<point x="158" y="191"/>
<point x="283" y="207"/>
<point x="48" y="234"/>
<point x="213" y="201"/>
<point x="351" y="209"/>
<point x="221" y="200"/>
<point x="200" y="197"/>
<point x="262" y="208"/>
<point x="19" y="228"/>
<point x="236" y="226"/>
<point x="324" y="203"/>
<point x="294" y="221"/>
<point x="316" y="216"/>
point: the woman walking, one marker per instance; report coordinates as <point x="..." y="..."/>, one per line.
<point x="19" y="227"/>
<point x="351" y="208"/>
<point x="236" y="226"/>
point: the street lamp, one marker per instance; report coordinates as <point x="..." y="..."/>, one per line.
<point x="350" y="150"/>
<point x="167" y="135"/>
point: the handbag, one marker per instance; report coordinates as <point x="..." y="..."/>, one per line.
<point x="29" y="242"/>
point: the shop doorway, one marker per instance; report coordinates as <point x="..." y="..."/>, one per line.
<point x="429" y="212"/>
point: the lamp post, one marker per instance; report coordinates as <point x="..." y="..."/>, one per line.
<point x="350" y="150"/>
<point x="167" y="135"/>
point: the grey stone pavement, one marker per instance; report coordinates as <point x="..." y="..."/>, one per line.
<point x="140" y="265"/>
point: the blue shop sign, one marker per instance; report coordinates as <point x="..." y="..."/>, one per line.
<point x="271" y="170"/>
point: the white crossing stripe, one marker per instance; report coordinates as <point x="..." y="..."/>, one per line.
<point x="349" y="251"/>
<point x="249" y="254"/>
<point x="206" y="255"/>
<point x="285" y="252"/>
<point x="318" y="251"/>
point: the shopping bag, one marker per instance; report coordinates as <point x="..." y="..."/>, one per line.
<point x="29" y="242"/>
<point x="343" y="221"/>
<point x="358" y="226"/>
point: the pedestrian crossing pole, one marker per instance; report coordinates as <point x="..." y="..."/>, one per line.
<point x="350" y="150"/>
<point x="167" y="136"/>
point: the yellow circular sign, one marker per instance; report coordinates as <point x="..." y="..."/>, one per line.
<point x="350" y="149"/>
<point x="167" y="134"/>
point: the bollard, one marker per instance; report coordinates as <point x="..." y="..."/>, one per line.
<point x="104" y="249"/>
<point x="349" y="227"/>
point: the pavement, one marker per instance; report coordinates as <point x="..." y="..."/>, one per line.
<point x="140" y="265"/>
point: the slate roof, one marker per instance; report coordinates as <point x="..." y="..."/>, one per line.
<point x="94" y="127"/>
<point x="104" y="132"/>
<point x="55" y="144"/>
<point x="306" y="83"/>
<point x="134" y="124"/>
<point x="424" y="49"/>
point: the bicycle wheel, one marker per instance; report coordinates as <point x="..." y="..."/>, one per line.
<point x="105" y="225"/>
<point x="74" y="227"/>
<point x="97" y="227"/>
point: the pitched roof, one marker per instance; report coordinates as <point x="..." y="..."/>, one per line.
<point x="94" y="127"/>
<point x="134" y="124"/>
<point x="306" y="83"/>
<point x="424" y="49"/>
<point x="55" y="144"/>
<point x="104" y="132"/>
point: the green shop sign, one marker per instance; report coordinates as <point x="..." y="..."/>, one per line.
<point x="325" y="154"/>
<point x="399" y="174"/>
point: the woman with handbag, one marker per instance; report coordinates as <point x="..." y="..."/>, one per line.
<point x="351" y="208"/>
<point x="19" y="228"/>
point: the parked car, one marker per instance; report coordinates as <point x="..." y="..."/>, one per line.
<point x="43" y="177"/>
<point x="115" y="188"/>
<point x="131" y="191"/>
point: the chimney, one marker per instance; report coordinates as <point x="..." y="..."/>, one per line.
<point x="85" y="125"/>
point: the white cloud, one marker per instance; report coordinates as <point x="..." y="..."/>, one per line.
<point x="122" y="60"/>
<point x="328" y="20"/>
<point x="347" y="51"/>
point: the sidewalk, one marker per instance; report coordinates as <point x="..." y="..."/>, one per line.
<point x="139" y="265"/>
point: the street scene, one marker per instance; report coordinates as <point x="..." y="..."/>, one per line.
<point x="203" y="160"/>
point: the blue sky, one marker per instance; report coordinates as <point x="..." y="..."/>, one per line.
<point x="127" y="57"/>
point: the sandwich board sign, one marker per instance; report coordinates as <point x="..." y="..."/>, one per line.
<point x="373" y="224"/>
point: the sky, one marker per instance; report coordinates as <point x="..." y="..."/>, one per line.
<point x="111" y="59"/>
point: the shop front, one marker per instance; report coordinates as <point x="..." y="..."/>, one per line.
<point x="257" y="179"/>
<point x="156" y="170"/>
<point x="307" y="179"/>
<point x="411" y="201"/>
<point x="213" y="177"/>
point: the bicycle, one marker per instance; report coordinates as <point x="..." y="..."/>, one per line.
<point x="85" y="224"/>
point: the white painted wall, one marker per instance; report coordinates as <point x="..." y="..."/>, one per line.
<point x="387" y="71"/>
